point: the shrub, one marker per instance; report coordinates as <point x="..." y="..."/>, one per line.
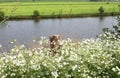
<point x="86" y="59"/>
<point x="113" y="34"/>
<point x="2" y="14"/>
<point x="36" y="13"/>
<point x="101" y="10"/>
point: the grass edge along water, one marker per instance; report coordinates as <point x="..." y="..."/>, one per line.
<point x="59" y="9"/>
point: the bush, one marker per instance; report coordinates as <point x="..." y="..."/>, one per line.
<point x="36" y="13"/>
<point x="113" y="34"/>
<point x="101" y="10"/>
<point x="86" y="59"/>
<point x="2" y="14"/>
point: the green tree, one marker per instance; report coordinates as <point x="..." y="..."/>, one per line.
<point x="101" y="10"/>
<point x="36" y="13"/>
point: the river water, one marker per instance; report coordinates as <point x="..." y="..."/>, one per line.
<point x="75" y="28"/>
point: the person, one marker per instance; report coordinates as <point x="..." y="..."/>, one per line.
<point x="54" y="43"/>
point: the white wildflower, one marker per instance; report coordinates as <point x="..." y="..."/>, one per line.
<point x="40" y="42"/>
<point x="35" y="67"/>
<point x="6" y="60"/>
<point x="117" y="68"/>
<point x="3" y="58"/>
<point x="62" y="51"/>
<point x="20" y="55"/>
<point x="11" y="42"/>
<point x="102" y="62"/>
<point x="81" y="61"/>
<point x="68" y="76"/>
<point x="79" y="70"/>
<point x="119" y="73"/>
<point x="12" y="50"/>
<point x="3" y="76"/>
<point x="12" y="57"/>
<point x="113" y="69"/>
<point x="17" y="50"/>
<point x="64" y="63"/>
<point x="14" y="40"/>
<point x="34" y="40"/>
<point x="13" y="74"/>
<point x="60" y="66"/>
<point x="22" y="46"/>
<point x="69" y="40"/>
<point x="31" y="62"/>
<point x="55" y="74"/>
<point x="59" y="59"/>
<point x="74" y="67"/>
<point x="30" y="54"/>
<point x="43" y="38"/>
<point x="45" y="65"/>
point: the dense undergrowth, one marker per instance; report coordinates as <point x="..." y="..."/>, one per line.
<point x="86" y="59"/>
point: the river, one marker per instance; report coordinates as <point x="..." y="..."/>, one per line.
<point x="75" y="28"/>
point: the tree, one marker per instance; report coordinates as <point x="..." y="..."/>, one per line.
<point x="36" y="13"/>
<point x="101" y="10"/>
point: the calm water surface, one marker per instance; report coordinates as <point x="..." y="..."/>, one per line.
<point x="75" y="28"/>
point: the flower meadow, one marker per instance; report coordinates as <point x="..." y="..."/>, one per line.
<point x="90" y="58"/>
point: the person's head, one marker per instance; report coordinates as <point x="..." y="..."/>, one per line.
<point x="54" y="38"/>
<point x="54" y="41"/>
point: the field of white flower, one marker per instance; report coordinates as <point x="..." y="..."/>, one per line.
<point x="85" y="59"/>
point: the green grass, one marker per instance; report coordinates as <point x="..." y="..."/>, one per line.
<point x="43" y="0"/>
<point x="57" y="8"/>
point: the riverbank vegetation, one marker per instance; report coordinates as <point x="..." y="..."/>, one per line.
<point x="89" y="58"/>
<point x="58" y="9"/>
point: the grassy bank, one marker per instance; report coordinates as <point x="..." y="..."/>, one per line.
<point x="58" y="9"/>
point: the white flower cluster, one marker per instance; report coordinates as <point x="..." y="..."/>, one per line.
<point x="86" y="59"/>
<point x="116" y="70"/>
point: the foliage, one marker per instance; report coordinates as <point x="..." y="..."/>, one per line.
<point x="112" y="34"/>
<point x="86" y="59"/>
<point x="101" y="10"/>
<point x="2" y="14"/>
<point x="36" y="13"/>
